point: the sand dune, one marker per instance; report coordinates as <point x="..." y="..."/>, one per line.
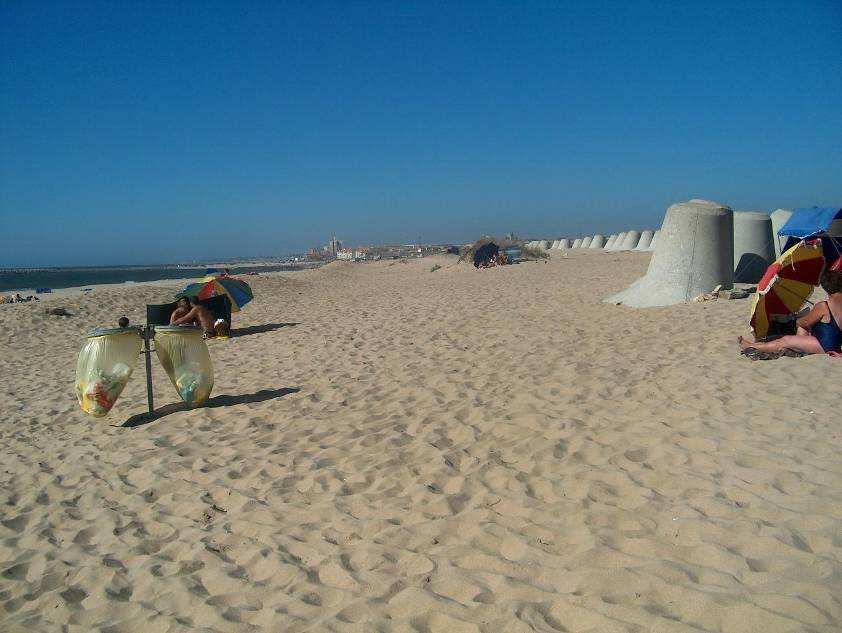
<point x="394" y="449"/>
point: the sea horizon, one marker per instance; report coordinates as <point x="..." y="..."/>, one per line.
<point x="28" y="279"/>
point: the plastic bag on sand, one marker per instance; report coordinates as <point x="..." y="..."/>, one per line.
<point x="104" y="366"/>
<point x="185" y="358"/>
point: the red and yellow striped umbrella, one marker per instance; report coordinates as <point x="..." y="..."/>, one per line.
<point x="787" y="284"/>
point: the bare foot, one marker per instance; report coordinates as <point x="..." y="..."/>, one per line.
<point x="744" y="344"/>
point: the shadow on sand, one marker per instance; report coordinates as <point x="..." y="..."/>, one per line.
<point x="217" y="401"/>
<point x="259" y="329"/>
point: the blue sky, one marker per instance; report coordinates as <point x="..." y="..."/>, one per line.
<point x="144" y="132"/>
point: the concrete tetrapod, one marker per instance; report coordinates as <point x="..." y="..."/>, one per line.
<point x="645" y="241"/>
<point x="754" y="248"/>
<point x="695" y="253"/>
<point x="611" y="239"/>
<point x="598" y="241"/>
<point x="654" y="240"/>
<point x="619" y="241"/>
<point x="779" y="217"/>
<point x="543" y="245"/>
<point x="555" y="245"/>
<point x="577" y="243"/>
<point x="630" y="240"/>
<point x="563" y="244"/>
<point x="586" y="242"/>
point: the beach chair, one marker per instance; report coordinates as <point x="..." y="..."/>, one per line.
<point x="159" y="314"/>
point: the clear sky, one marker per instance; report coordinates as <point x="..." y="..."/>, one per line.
<point x="134" y="132"/>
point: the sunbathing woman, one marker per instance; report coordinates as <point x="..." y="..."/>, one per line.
<point x="819" y="331"/>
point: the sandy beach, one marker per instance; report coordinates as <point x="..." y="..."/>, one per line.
<point x="393" y="449"/>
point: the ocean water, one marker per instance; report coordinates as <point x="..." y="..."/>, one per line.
<point x="26" y="280"/>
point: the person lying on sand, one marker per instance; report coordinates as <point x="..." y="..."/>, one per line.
<point x="188" y="313"/>
<point x="819" y="331"/>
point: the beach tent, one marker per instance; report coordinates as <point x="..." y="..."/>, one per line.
<point x="485" y="254"/>
<point x="821" y="222"/>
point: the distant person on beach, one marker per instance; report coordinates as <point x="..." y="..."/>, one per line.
<point x="188" y="313"/>
<point x="820" y="330"/>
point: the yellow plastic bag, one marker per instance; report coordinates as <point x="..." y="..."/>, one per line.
<point x="184" y="356"/>
<point x="104" y="366"/>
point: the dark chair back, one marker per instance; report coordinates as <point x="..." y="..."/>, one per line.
<point x="159" y="314"/>
<point x="219" y="306"/>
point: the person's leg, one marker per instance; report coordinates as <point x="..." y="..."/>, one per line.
<point x="800" y="343"/>
<point x="206" y="323"/>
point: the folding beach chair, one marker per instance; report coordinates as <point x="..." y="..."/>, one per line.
<point x="160" y="313"/>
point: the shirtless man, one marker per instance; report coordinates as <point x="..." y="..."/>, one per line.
<point x="188" y="313"/>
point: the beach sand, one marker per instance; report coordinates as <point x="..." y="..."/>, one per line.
<point x="394" y="449"/>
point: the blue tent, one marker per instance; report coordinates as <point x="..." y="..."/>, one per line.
<point x="810" y="221"/>
<point x="814" y="222"/>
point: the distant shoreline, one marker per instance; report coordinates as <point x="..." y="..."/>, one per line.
<point x="26" y="281"/>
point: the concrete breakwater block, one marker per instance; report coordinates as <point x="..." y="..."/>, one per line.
<point x="693" y="255"/>
<point x="619" y="241"/>
<point x="564" y="244"/>
<point x="598" y="241"/>
<point x="779" y="217"/>
<point x="630" y="240"/>
<point x="611" y="239"/>
<point x="644" y="241"/>
<point x="754" y="247"/>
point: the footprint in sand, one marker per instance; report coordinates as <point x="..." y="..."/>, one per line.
<point x="513" y="549"/>
<point x="638" y="455"/>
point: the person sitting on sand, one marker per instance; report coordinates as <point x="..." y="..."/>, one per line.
<point x="820" y="330"/>
<point x="188" y="313"/>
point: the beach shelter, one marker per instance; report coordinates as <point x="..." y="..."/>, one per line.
<point x="824" y="223"/>
<point x="238" y="292"/>
<point x="787" y="284"/>
<point x="484" y="255"/>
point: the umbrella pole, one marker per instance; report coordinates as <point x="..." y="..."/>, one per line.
<point x="147" y="352"/>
